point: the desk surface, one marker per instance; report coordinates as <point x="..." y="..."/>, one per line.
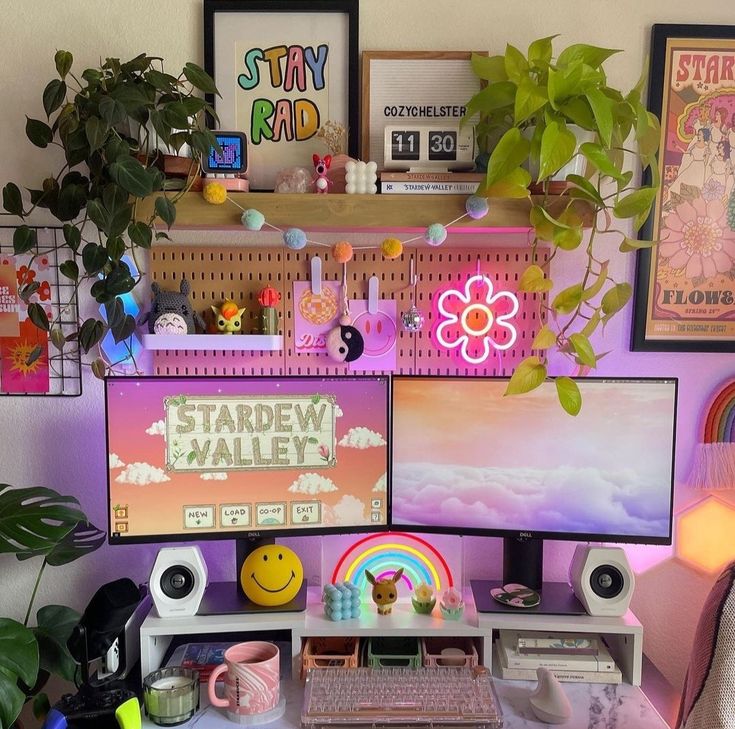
<point x="595" y="706"/>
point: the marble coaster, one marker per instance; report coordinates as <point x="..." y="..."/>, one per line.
<point x="515" y="595"/>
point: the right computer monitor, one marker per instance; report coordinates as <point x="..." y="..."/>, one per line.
<point x="468" y="459"/>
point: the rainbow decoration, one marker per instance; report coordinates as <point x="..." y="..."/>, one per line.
<point x="384" y="553"/>
<point x="714" y="460"/>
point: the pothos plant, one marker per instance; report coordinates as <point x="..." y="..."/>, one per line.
<point x="113" y="124"/>
<point x="39" y="523"/>
<point x="528" y="112"/>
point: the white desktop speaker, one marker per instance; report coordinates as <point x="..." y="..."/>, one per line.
<point x="177" y="581"/>
<point x="602" y="579"/>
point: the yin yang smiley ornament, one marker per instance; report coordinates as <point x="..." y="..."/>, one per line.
<point x="344" y="342"/>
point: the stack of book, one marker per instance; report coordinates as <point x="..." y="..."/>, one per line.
<point x="430" y="183"/>
<point x="576" y="657"/>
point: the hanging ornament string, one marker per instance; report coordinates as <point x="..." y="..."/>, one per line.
<point x="476" y="207"/>
<point x="344" y="342"/>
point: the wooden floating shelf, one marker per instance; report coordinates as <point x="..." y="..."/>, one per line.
<point x="211" y="342"/>
<point x="355" y="212"/>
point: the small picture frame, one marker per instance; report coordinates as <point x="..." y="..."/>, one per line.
<point x="410" y="88"/>
<point x="283" y="68"/>
<point x="685" y="284"/>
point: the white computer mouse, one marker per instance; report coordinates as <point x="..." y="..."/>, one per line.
<point x="548" y="701"/>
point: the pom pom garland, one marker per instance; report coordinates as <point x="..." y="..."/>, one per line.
<point x="214" y="193"/>
<point x="294" y="238"/>
<point x="342" y="251"/>
<point x="391" y="248"/>
<point x="477" y="207"/>
<point x="253" y="219"/>
<point x="435" y="234"/>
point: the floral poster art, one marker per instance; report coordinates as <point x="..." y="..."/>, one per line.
<point x="691" y="278"/>
<point x="24" y="365"/>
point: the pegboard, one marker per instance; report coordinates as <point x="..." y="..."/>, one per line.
<point x="238" y="273"/>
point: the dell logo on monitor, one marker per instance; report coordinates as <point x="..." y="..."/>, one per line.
<point x="525" y="535"/>
<point x="253" y="535"/>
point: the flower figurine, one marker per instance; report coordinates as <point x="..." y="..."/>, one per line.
<point x="423" y="599"/>
<point x="451" y="604"/>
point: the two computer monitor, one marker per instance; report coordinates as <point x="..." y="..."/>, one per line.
<point x="234" y="457"/>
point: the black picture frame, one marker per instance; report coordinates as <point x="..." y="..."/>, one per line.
<point x="283" y="9"/>
<point x="675" y="286"/>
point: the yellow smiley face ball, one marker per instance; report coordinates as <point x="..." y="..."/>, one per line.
<point x="271" y="575"/>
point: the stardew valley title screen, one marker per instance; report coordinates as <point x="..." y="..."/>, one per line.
<point x="245" y="454"/>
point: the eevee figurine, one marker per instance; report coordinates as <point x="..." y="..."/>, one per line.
<point x="385" y="590"/>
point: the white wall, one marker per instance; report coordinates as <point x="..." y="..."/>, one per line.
<point x="60" y="442"/>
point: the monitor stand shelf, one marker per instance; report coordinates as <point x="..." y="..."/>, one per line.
<point x="623" y="635"/>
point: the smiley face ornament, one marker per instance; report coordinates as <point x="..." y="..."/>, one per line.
<point x="271" y="575"/>
<point x="344" y="342"/>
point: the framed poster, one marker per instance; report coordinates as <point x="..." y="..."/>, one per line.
<point x="685" y="285"/>
<point x="283" y="68"/>
<point x="412" y="87"/>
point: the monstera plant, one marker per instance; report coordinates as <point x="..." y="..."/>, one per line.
<point x="39" y="523"/>
<point x="539" y="112"/>
<point x="113" y="124"/>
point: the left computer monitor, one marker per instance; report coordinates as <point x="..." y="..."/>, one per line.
<point x="196" y="458"/>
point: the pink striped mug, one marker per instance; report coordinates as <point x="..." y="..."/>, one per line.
<point x="251" y="679"/>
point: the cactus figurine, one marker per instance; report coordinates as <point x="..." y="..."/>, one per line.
<point x="269" y="299"/>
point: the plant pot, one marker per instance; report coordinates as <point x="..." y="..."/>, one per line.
<point x="421" y="607"/>
<point x="576" y="166"/>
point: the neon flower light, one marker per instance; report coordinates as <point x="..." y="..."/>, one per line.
<point x="472" y="318"/>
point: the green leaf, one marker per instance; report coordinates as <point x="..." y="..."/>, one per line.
<point x="602" y="108"/>
<point x="119" y="280"/>
<point x="165" y="210"/>
<point x="115" y="247"/>
<point x="24" y="239"/>
<point x="54" y="96"/>
<point x="596" y="287"/>
<point x="163" y="82"/>
<point x="200" y="79"/>
<point x="18" y="660"/>
<point x="528" y="375"/>
<point x="530" y="97"/>
<point x="175" y="115"/>
<point x="57" y="338"/>
<point x="54" y="626"/>
<point x="41" y="705"/>
<point x="82" y="539"/>
<point x="12" y="200"/>
<point x="534" y="280"/>
<point x="38" y="132"/>
<point x="566" y="301"/>
<point x="25" y="292"/>
<point x="63" y="61"/>
<point x="569" y="395"/>
<point x="544" y="339"/>
<point x="590" y="55"/>
<point x="33" y="520"/>
<point x="99" y="368"/>
<point x="509" y="153"/>
<point x="140" y="234"/>
<point x="98" y="214"/>
<point x="587" y="189"/>
<point x="90" y="333"/>
<point x="558" y="145"/>
<point x="592" y="324"/>
<point x="635" y="203"/>
<point x="563" y="84"/>
<point x="190" y="456"/>
<point x="633" y="244"/>
<point x="516" y="65"/>
<point x="539" y="52"/>
<point x="513" y="185"/>
<point x="569" y="238"/>
<point x="131" y="176"/>
<point x="119" y="220"/>
<point x="600" y="159"/>
<point x="616" y="298"/>
<point x="38" y="317"/>
<point x="112" y="111"/>
<point x="96" y="130"/>
<point x="578" y="111"/>
<point x="491" y="98"/>
<point x="583" y="349"/>
<point x="94" y="258"/>
<point x="124" y="329"/>
<point x="489" y="68"/>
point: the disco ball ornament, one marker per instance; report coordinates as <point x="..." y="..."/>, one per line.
<point x="412" y="319"/>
